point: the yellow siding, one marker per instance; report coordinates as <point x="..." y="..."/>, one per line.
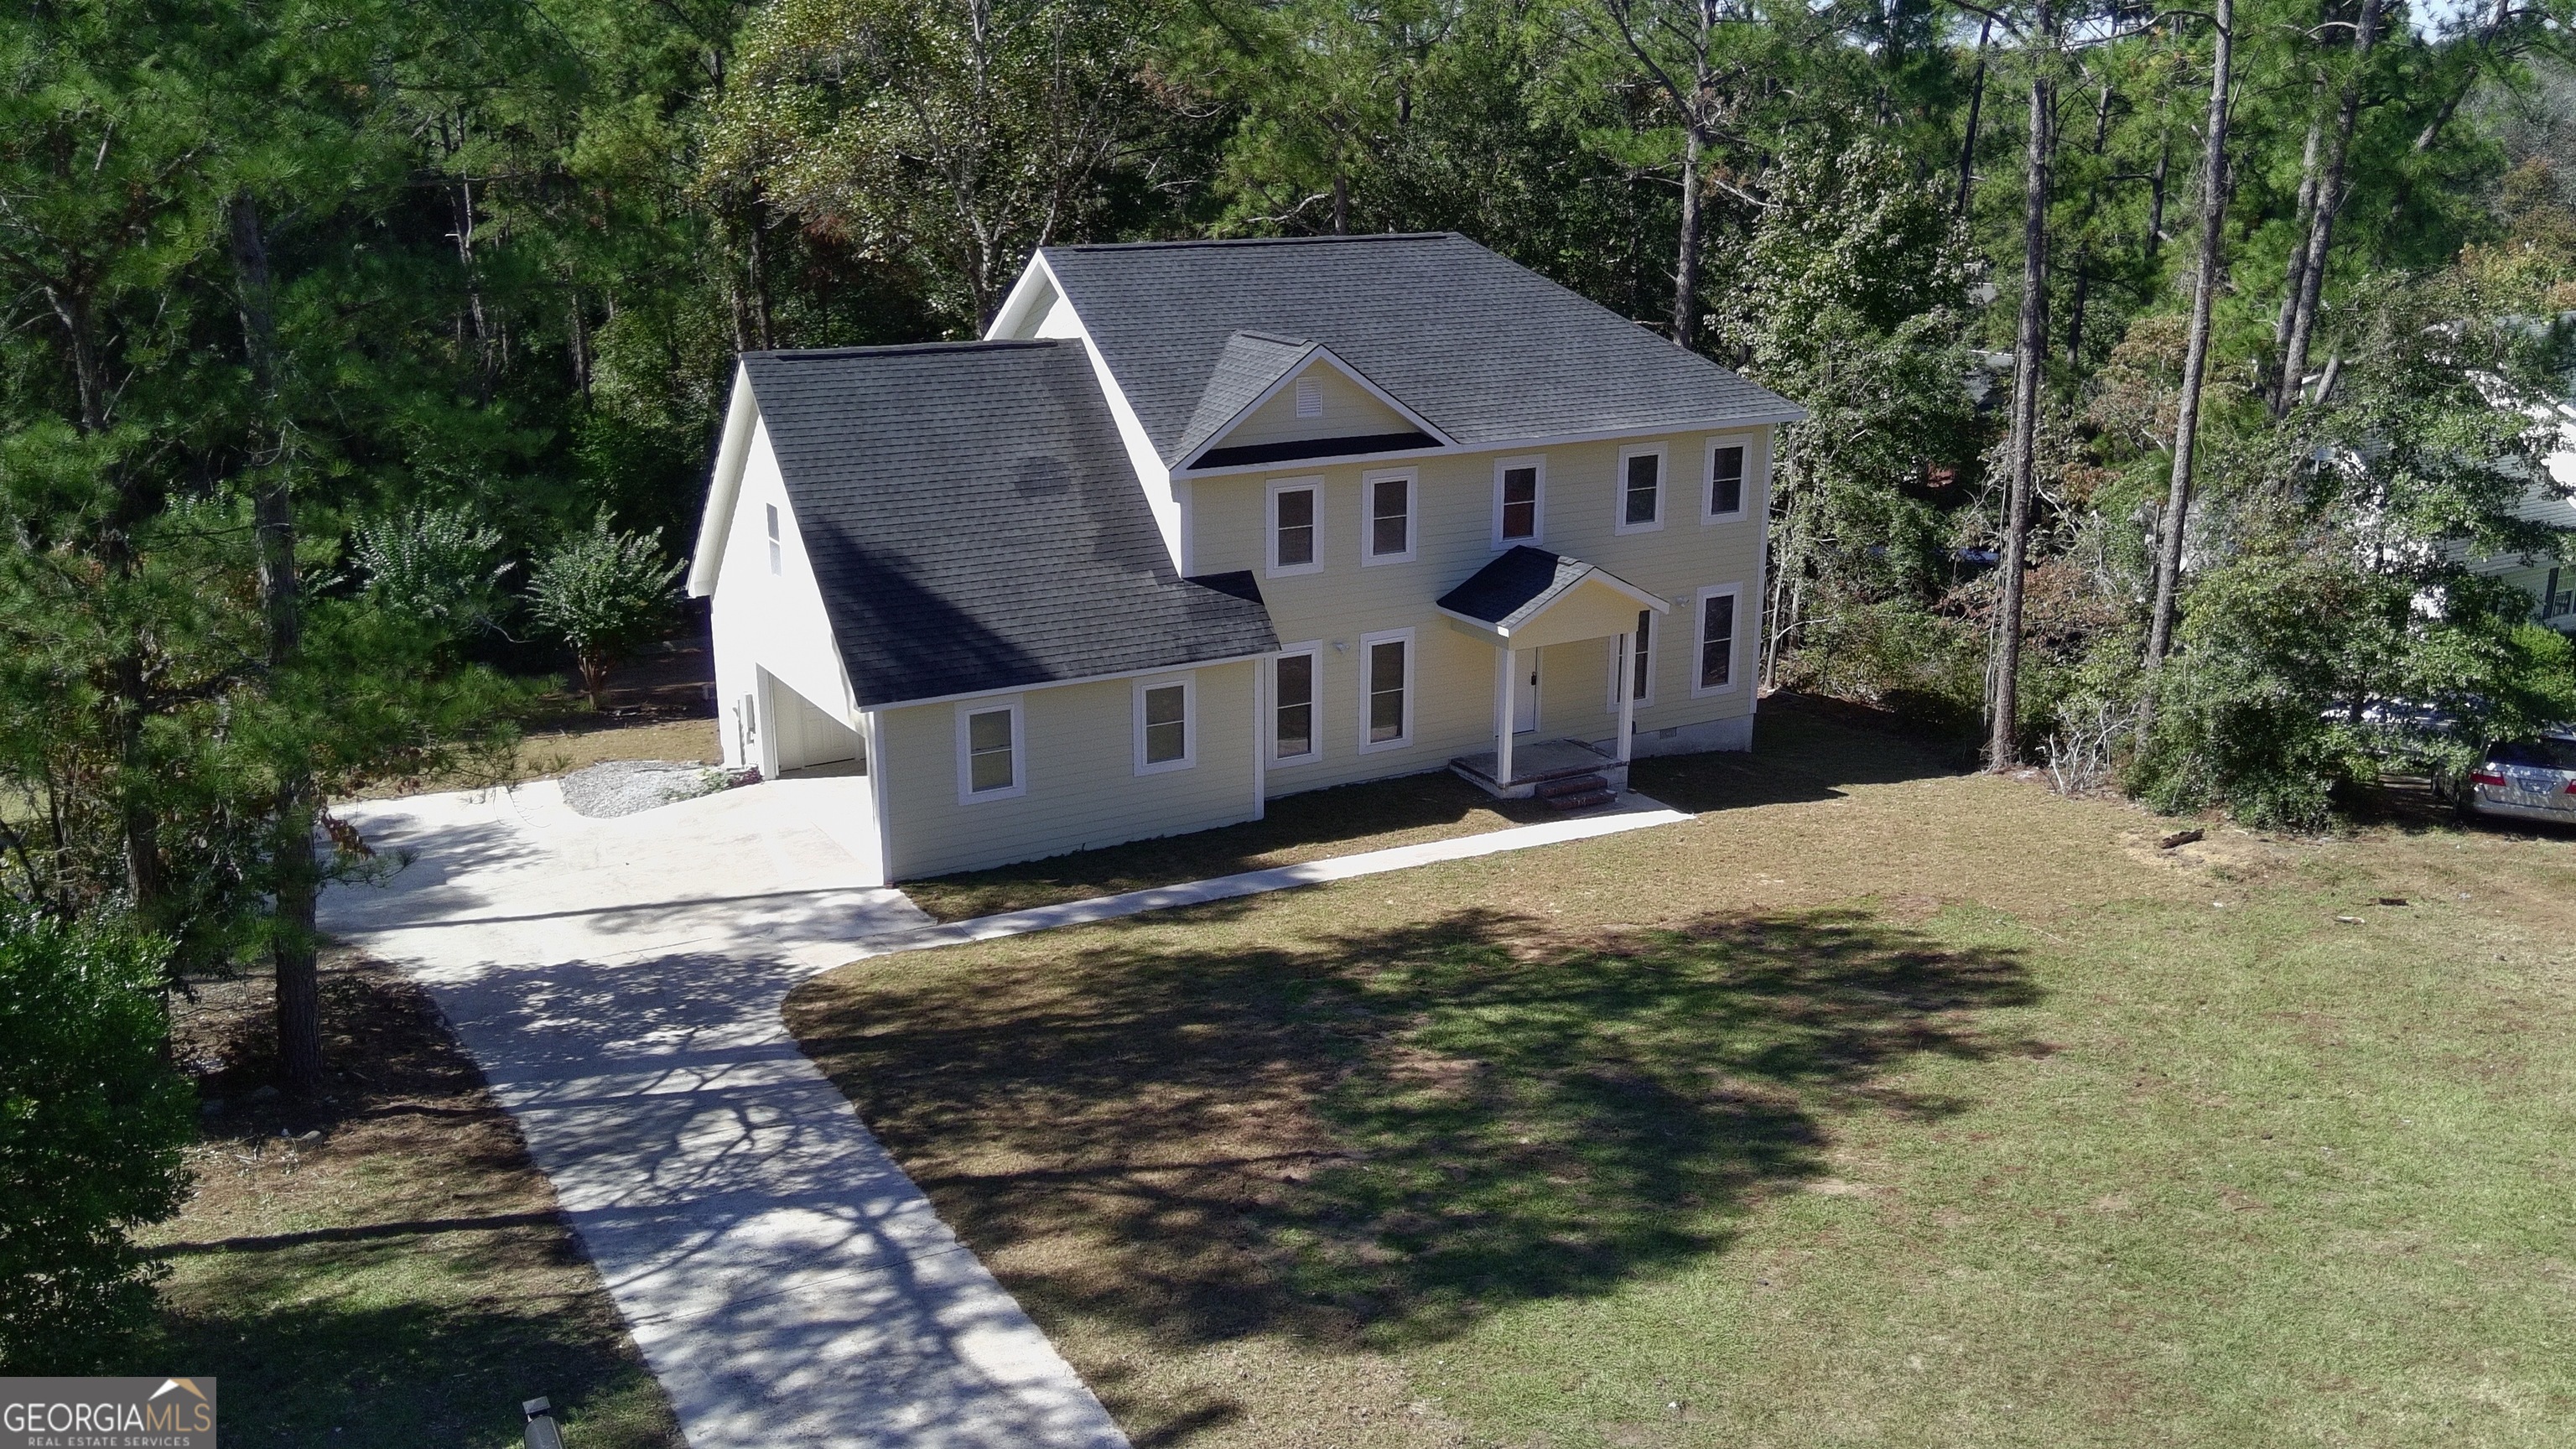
<point x="1454" y="674"/>
<point x="1079" y="764"/>
<point x="1349" y="411"/>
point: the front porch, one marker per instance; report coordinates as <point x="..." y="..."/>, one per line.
<point x="1568" y="774"/>
<point x="1524" y="601"/>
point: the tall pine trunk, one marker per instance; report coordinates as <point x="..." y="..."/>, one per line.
<point x="1686" y="264"/>
<point x="294" y="878"/>
<point x="2332" y="192"/>
<point x="129" y="673"/>
<point x="2195" y="358"/>
<point x="2030" y="358"/>
<point x="1976" y="107"/>
<point x="2084" y="244"/>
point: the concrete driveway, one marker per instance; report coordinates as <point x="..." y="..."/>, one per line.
<point x="620" y="982"/>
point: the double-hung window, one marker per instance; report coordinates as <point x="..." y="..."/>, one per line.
<point x="1166" y="732"/>
<point x="1637" y="671"/>
<point x="1518" y="486"/>
<point x="1641" y="489"/>
<point x="777" y="554"/>
<point x="989" y="747"/>
<point x="1714" y="669"/>
<point x="1296" y="700"/>
<point x="1386" y="529"/>
<point x="1386" y="690"/>
<point x="1725" y="482"/>
<point x="1295" y="547"/>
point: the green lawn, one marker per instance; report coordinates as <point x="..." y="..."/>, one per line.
<point x="1882" y="1105"/>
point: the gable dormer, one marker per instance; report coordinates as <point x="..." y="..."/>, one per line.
<point x="1272" y="398"/>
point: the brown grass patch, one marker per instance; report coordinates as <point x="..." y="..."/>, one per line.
<point x="384" y="1266"/>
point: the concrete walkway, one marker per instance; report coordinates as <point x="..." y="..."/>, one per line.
<point x="620" y="983"/>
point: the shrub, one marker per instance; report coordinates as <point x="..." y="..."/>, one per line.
<point x="436" y="565"/>
<point x="92" y="1120"/>
<point x="603" y="592"/>
<point x="1897" y="654"/>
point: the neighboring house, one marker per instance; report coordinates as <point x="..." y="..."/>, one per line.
<point x="1202" y="524"/>
<point x="2551" y="581"/>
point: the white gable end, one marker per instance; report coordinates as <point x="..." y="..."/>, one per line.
<point x="1341" y="407"/>
<point x="769" y="616"/>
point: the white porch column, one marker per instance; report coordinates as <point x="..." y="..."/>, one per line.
<point x="1503" y="713"/>
<point x="1627" y="694"/>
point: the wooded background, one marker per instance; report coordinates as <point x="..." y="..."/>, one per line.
<point x="328" y="327"/>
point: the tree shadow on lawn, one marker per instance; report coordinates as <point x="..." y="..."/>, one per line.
<point x="1379" y="1136"/>
<point x="401" y="1276"/>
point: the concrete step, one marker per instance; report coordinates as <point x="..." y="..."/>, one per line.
<point x="1569" y="785"/>
<point x="1584" y="801"/>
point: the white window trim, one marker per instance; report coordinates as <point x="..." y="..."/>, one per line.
<point x="1270" y="528"/>
<point x="1367" y="642"/>
<point x="1735" y="646"/>
<point x="777" y="546"/>
<point x="1412" y="480"/>
<point x="1313" y="649"/>
<point x="1663" y="488"/>
<point x="1622" y="661"/>
<point x="1538" y="512"/>
<point x="1189" y="686"/>
<point x="967" y="794"/>
<point x="1708" y="479"/>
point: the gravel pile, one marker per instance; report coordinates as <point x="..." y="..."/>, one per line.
<point x="623" y="787"/>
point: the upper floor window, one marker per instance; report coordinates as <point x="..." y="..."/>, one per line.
<point x="1293" y="544"/>
<point x="988" y="750"/>
<point x="1518" y="483"/>
<point x="1725" y="481"/>
<point x="1716" y="639"/>
<point x="777" y="555"/>
<point x="1387" y="531"/>
<point x="1641" y="488"/>
<point x="1165" y="734"/>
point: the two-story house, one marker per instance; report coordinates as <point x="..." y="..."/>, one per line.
<point x="1201" y="524"/>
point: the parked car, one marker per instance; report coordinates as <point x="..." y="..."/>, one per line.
<point x="2527" y="779"/>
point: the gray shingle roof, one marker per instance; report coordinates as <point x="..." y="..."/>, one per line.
<point x="975" y="524"/>
<point x="1519" y="584"/>
<point x="1487" y="350"/>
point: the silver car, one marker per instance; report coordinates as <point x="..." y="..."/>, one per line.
<point x="2533" y="779"/>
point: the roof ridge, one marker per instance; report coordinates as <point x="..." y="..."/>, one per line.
<point x="1257" y="241"/>
<point x="899" y="349"/>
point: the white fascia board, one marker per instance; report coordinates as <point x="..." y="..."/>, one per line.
<point x="1032" y="688"/>
<point x="1487" y="628"/>
<point x="717" y="517"/>
<point x="1035" y="288"/>
<point x="1151" y="474"/>
<point x="1318" y="352"/>
<point x="1601" y="575"/>
<point x="1513" y="445"/>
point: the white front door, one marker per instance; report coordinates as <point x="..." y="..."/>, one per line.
<point x="1524" y="691"/>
